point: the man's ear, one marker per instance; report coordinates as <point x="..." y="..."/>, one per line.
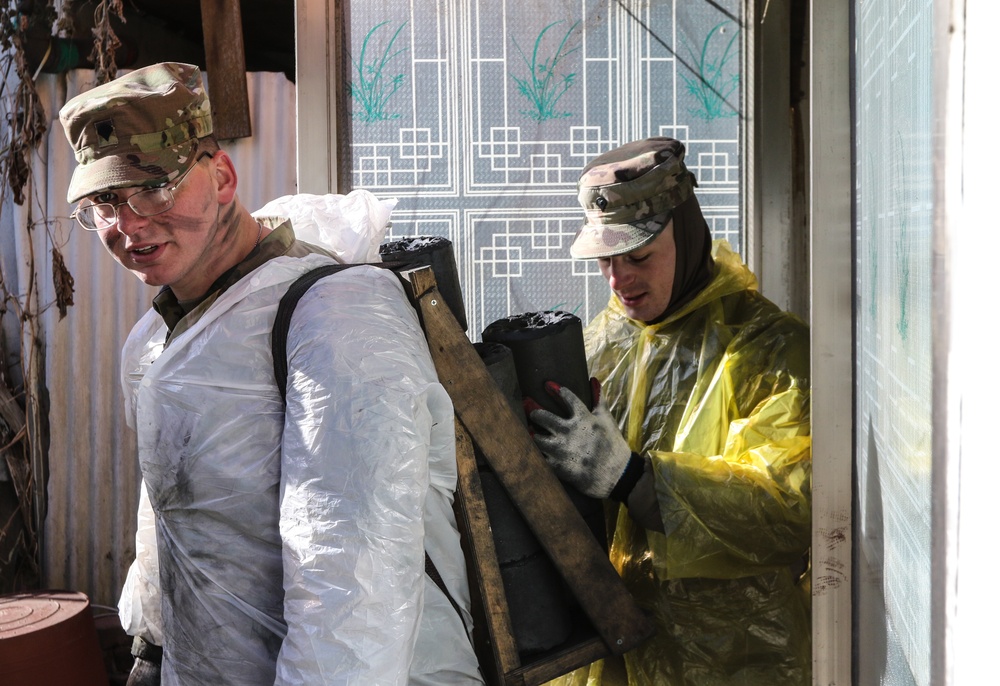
<point x="224" y="173"/>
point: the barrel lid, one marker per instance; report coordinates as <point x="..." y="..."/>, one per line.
<point x="22" y="613"/>
<point x="32" y="622"/>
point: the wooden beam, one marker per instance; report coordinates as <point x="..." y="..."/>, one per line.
<point x="317" y="95"/>
<point x="226" y="68"/>
<point x="493" y="635"/>
<point x="520" y="467"/>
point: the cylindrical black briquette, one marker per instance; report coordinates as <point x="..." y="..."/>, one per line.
<point x="437" y="253"/>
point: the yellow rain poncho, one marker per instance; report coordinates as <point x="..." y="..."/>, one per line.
<point x="717" y="395"/>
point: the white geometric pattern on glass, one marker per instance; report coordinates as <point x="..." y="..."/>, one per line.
<point x="479" y="115"/>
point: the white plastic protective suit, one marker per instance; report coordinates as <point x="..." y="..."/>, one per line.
<point x="291" y="539"/>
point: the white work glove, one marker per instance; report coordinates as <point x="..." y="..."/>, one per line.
<point x="585" y="450"/>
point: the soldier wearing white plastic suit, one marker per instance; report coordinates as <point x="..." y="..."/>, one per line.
<point x="278" y="543"/>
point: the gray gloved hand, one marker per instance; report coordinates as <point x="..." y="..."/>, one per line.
<point x="586" y="450"/>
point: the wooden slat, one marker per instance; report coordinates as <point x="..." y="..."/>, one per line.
<point x="343" y="132"/>
<point x="317" y="95"/>
<point x="519" y="466"/>
<point x="226" y="68"/>
<point x="495" y="645"/>
<point x="559" y="664"/>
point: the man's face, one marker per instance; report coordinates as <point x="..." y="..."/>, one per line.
<point x="186" y="246"/>
<point x="643" y="280"/>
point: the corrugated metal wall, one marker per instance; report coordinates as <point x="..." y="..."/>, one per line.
<point x="93" y="475"/>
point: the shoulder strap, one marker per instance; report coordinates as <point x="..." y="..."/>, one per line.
<point x="279" y="351"/>
<point x="286" y="306"/>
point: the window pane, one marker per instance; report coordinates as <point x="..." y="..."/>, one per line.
<point x="894" y="124"/>
<point x="479" y="115"/>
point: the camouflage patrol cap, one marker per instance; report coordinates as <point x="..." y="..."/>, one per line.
<point x="142" y="129"/>
<point x="628" y="194"/>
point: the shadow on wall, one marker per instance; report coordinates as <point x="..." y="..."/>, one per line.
<point x="870" y="621"/>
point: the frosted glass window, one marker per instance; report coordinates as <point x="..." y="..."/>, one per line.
<point x="893" y="321"/>
<point x="479" y="115"/>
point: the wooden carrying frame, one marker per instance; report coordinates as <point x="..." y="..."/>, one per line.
<point x="485" y="420"/>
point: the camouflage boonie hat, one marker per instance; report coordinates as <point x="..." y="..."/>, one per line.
<point x="142" y="129"/>
<point x="628" y="194"/>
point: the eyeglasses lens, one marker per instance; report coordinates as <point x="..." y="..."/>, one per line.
<point x="144" y="203"/>
<point x="153" y="201"/>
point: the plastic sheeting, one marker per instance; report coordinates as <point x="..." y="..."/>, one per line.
<point x="293" y="537"/>
<point x="717" y="396"/>
<point x="350" y="226"/>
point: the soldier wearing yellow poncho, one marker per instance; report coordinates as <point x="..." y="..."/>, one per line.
<point x="701" y="432"/>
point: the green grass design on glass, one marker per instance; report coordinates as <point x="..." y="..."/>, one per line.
<point x="710" y="86"/>
<point x="374" y="86"/>
<point x="562" y="307"/>
<point x="544" y="85"/>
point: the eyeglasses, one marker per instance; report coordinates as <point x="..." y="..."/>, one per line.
<point x="103" y="215"/>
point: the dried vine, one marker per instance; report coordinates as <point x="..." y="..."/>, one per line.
<point x="23" y="419"/>
<point x="106" y="42"/>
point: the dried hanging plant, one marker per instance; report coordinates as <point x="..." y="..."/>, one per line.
<point x="106" y="41"/>
<point x="62" y="281"/>
<point x="25" y="115"/>
<point x="24" y="132"/>
<point x="64" y="24"/>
